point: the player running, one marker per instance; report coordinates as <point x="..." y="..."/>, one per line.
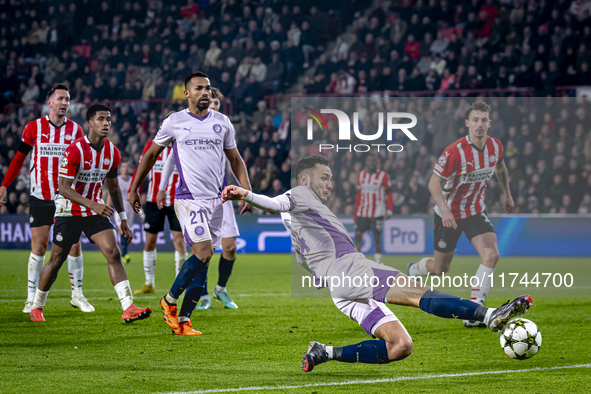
<point x="373" y="204"/>
<point x="47" y="137"/>
<point x="157" y="208"/>
<point x="464" y="169"/>
<point x="200" y="139"/>
<point x="80" y="208"/>
<point x="325" y="249"/>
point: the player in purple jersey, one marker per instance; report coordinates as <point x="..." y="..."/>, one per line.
<point x="325" y="249"/>
<point x="204" y="137"/>
<point x="229" y="234"/>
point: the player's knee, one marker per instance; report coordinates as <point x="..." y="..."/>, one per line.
<point x="39" y="248"/>
<point x="492" y="258"/>
<point x="205" y="255"/>
<point x="113" y="255"/>
<point x="399" y="349"/>
<point x="230" y="249"/>
<point x="76" y="250"/>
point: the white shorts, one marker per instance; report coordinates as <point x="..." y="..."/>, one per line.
<point x="355" y="277"/>
<point x="369" y="314"/>
<point x="201" y="220"/>
<point x="229" y="225"/>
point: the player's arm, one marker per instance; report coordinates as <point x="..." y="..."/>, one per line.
<point x="239" y="170"/>
<point x="164" y="178"/>
<point x="281" y="203"/>
<point x="437" y="192"/>
<point x="148" y="160"/>
<point x="503" y="177"/>
<point x="66" y="191"/>
<point x="14" y="168"/>
<point x="115" y="195"/>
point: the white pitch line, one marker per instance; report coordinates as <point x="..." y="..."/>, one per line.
<point x="387" y="380"/>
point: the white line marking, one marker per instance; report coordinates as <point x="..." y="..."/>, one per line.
<point x="388" y="380"/>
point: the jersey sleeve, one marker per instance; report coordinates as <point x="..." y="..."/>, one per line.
<point x="166" y="133"/>
<point x="386" y="182"/>
<point x="230" y="137"/>
<point x="501" y="151"/>
<point x="116" y="161"/>
<point x="70" y="162"/>
<point x="79" y="132"/>
<point x="447" y="165"/>
<point x="30" y="134"/>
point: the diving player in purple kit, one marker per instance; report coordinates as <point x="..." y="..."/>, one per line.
<point x="325" y="249"/>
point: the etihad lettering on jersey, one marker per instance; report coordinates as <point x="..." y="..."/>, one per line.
<point x="52" y="150"/>
<point x="204" y="143"/>
<point x="482" y="175"/>
<point x="93" y="176"/>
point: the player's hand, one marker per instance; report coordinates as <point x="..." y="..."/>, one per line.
<point x="245" y="207"/>
<point x="134" y="200"/>
<point x="160" y="197"/>
<point x="126" y="231"/>
<point x="509" y="204"/>
<point x="388" y="215"/>
<point x="448" y="219"/>
<point x="233" y="192"/>
<point x="2" y="196"/>
<point x="103" y="210"/>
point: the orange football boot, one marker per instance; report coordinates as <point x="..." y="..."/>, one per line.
<point x="170" y="314"/>
<point x="134" y="313"/>
<point x="186" y="328"/>
<point x="37" y="314"/>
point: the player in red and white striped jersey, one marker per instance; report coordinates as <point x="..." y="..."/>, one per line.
<point x="80" y="208"/>
<point x="156" y="212"/>
<point x="47" y="138"/>
<point x="373" y="204"/>
<point x="464" y="169"/>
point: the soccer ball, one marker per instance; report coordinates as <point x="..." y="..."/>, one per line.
<point x="521" y="339"/>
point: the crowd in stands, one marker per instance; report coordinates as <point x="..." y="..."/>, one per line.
<point x="547" y="151"/>
<point x="141" y="51"/>
<point x="476" y="44"/>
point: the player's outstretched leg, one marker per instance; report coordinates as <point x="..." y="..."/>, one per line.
<point x="205" y="302"/>
<point x="106" y="242"/>
<point x="405" y="291"/>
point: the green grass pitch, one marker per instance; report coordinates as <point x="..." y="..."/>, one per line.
<point x="260" y="344"/>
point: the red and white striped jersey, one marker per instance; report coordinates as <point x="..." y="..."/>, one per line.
<point x="373" y="194"/>
<point x="49" y="143"/>
<point x="88" y="168"/>
<point x="466" y="171"/>
<point x="156" y="173"/>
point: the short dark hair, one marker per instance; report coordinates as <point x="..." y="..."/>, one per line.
<point x="94" y="109"/>
<point x="197" y="74"/>
<point x="59" y="86"/>
<point x="308" y="162"/>
<point x="477" y="106"/>
<point x="216" y="94"/>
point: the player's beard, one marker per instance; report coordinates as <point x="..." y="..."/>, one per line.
<point x="202" y="106"/>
